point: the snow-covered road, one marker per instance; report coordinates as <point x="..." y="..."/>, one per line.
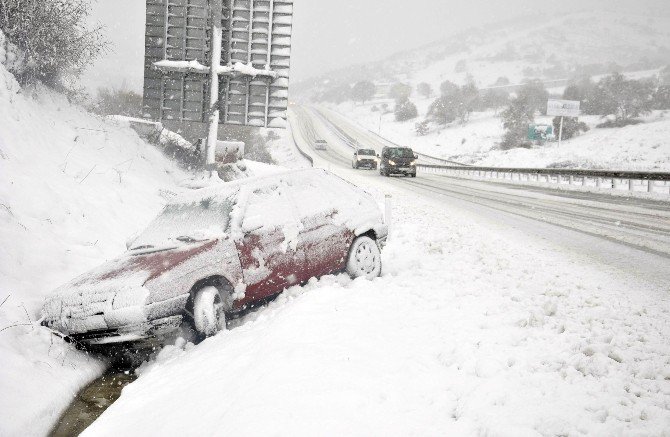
<point x="627" y="234"/>
<point x="486" y="321"/>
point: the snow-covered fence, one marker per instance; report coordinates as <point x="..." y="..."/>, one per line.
<point x="631" y="181"/>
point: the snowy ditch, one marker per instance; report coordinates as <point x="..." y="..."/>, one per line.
<point x="463" y="334"/>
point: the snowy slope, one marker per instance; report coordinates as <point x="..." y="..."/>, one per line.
<point x="549" y="47"/>
<point x="73" y="187"/>
<point x="474" y="329"/>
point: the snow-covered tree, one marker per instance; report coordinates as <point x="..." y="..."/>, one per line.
<point x="54" y="36"/>
<point x="363" y="91"/>
<point x="405" y="110"/>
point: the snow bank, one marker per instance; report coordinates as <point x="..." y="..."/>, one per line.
<point x="73" y="187"/>
<point x="474" y="329"/>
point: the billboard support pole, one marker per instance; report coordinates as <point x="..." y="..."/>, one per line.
<point x="560" y="133"/>
<point x="215" y="61"/>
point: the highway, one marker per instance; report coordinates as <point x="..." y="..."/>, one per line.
<point x="629" y="236"/>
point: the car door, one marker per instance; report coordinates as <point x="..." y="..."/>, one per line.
<point x="268" y="245"/>
<point x="324" y="242"/>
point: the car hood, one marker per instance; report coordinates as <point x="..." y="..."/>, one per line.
<point x="114" y="293"/>
<point x="135" y="269"/>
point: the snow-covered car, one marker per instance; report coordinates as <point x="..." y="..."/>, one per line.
<point x="364" y="158"/>
<point x="320" y="145"/>
<point x="214" y="252"/>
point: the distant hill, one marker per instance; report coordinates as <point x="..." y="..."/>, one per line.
<point x="548" y="48"/>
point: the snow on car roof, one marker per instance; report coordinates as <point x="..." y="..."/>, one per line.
<point x="230" y="190"/>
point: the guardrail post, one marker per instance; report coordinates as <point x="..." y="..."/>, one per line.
<point x="650" y="186"/>
<point x="630" y="185"/>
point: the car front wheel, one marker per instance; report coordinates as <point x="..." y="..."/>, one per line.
<point x="365" y="259"/>
<point x="209" y="316"/>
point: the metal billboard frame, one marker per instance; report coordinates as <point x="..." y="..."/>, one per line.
<point x="218" y="61"/>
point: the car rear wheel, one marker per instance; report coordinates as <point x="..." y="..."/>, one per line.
<point x="365" y="259"/>
<point x="209" y="316"/>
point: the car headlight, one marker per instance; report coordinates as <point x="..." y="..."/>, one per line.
<point x="391" y="162"/>
<point x="413" y="162"/>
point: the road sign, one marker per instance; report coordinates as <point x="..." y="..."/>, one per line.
<point x="248" y="57"/>
<point x="563" y="108"/>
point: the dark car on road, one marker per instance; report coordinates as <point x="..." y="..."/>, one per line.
<point x="364" y="158"/>
<point x="398" y="160"/>
<point x="215" y="252"/>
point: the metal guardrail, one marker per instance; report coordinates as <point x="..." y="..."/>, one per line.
<point x="636" y="181"/>
<point x="302" y="152"/>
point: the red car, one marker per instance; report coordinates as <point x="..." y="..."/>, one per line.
<point x="215" y="251"/>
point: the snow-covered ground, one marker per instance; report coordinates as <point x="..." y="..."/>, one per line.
<point x="641" y="147"/>
<point x="474" y="329"/>
<point x="73" y="187"/>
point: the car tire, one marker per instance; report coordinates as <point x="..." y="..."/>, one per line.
<point x="413" y="175"/>
<point x="365" y="259"/>
<point x="209" y="312"/>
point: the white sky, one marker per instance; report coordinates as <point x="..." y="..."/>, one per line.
<point x="334" y="33"/>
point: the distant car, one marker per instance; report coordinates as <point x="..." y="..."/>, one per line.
<point x="320" y="145"/>
<point x="214" y="252"/>
<point x="398" y="160"/>
<point x="364" y="158"/>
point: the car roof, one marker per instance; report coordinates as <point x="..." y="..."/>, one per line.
<point x="230" y="190"/>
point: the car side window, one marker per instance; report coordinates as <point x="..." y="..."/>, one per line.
<point x="269" y="207"/>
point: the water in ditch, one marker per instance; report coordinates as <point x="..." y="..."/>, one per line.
<point x="91" y="402"/>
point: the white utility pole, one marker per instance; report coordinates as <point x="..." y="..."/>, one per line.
<point x="215" y="61"/>
<point x="560" y="133"/>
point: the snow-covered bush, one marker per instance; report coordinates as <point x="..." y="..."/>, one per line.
<point x="405" y="110"/>
<point x="54" y="36"/>
<point x="571" y="127"/>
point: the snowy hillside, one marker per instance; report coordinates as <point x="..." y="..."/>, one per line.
<point x="550" y="48"/>
<point x="73" y="187"/>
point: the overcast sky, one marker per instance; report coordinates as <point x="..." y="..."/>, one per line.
<point x="333" y="33"/>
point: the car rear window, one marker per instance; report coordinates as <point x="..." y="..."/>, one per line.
<point x="366" y="152"/>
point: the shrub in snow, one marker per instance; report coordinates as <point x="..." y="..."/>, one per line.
<point x="571" y="127"/>
<point x="516" y="118"/>
<point x="118" y="102"/>
<point x="494" y="99"/>
<point x="626" y="98"/>
<point x="405" y="110"/>
<point x="54" y="36"/>
<point x="421" y="128"/>
<point x="363" y="91"/>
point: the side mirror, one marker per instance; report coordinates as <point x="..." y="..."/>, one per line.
<point x="378" y="155"/>
<point x="416" y="156"/>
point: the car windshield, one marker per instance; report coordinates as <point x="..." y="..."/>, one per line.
<point x="401" y="153"/>
<point x="366" y="152"/>
<point x="185" y="223"/>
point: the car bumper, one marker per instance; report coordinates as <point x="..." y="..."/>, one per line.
<point x="402" y="169"/>
<point x="367" y="163"/>
<point x="102" y="322"/>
